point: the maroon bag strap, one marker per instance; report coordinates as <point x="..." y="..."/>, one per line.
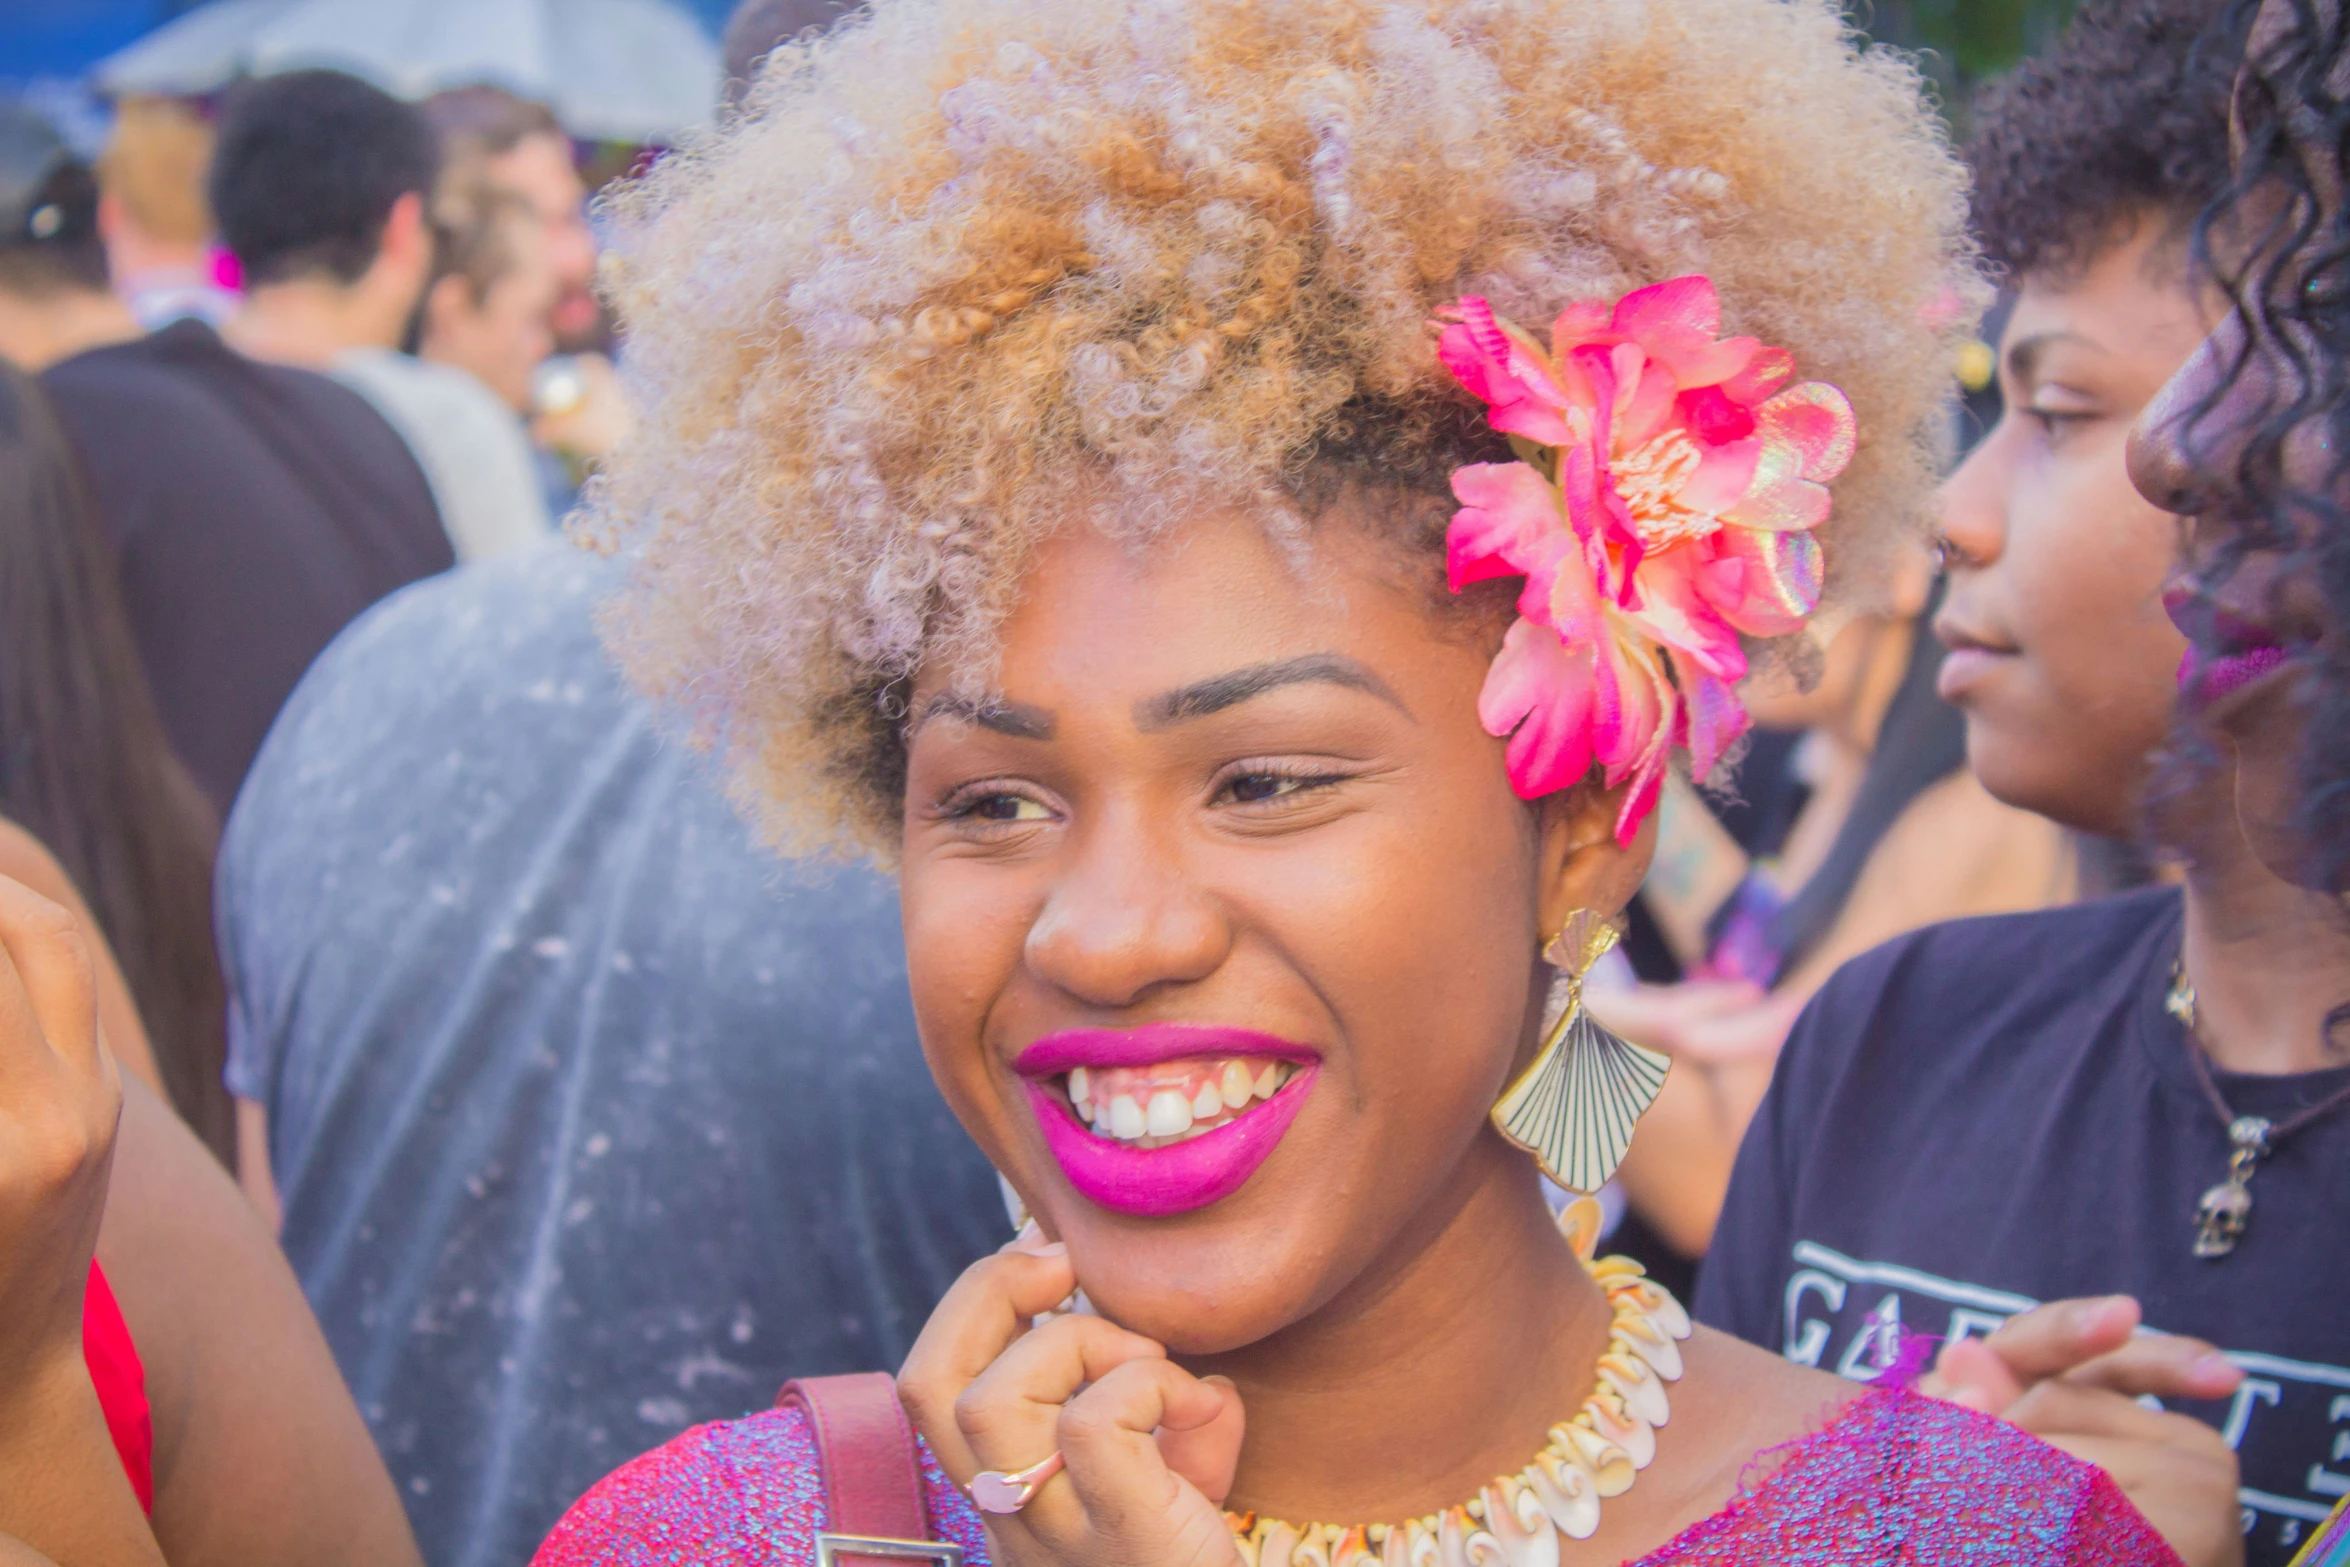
<point x="872" y="1475"/>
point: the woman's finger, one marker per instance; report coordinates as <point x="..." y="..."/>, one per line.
<point x="50" y="957"/>
<point x="1969" y="1372"/>
<point x="2050" y="1340"/>
<point x="1008" y="1414"/>
<point x="1206" y="1453"/>
<point x="2057" y="1408"/>
<point x="2162" y="1365"/>
<point x="1110" y="1436"/>
<point x="982" y="1313"/>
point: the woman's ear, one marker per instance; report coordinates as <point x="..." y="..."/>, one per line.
<point x="1582" y="864"/>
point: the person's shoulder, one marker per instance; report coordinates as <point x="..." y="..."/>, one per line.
<point x="1968" y="1487"/>
<point x="434" y="392"/>
<point x="187" y="376"/>
<point x="498" y="657"/>
<point x="728" y="1495"/>
<point x="142" y="370"/>
<point x="1963" y="968"/>
<point x="515" y="621"/>
<point x="738" y="1491"/>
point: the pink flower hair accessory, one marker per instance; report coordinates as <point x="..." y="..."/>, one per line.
<point x="1663" y="509"/>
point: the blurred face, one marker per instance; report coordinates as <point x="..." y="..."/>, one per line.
<point x="2241" y="678"/>
<point x="539" y="169"/>
<point x="502" y="336"/>
<point x="1223" y="919"/>
<point x="2060" y="654"/>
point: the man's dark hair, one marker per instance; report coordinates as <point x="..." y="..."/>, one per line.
<point x="2127" y="115"/>
<point x="48" y="212"/>
<point x="307" y="170"/>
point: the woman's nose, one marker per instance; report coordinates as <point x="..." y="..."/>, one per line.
<point x="1126" y="921"/>
<point x="2178" y="447"/>
<point x="1973" y="502"/>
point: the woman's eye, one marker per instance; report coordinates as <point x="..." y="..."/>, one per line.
<point x="1256" y="788"/>
<point x="2057" y="423"/>
<point x="1005" y="808"/>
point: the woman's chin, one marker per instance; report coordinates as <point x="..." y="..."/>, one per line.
<point x="1206" y="1298"/>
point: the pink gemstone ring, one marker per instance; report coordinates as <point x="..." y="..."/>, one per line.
<point x="993" y="1491"/>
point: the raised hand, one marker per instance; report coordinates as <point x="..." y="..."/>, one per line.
<point x="2071" y="1373"/>
<point x="62" y="1489"/>
<point x="60" y="1097"/>
<point x="1149" y="1449"/>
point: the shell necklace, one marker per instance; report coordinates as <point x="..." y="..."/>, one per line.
<point x="1519" y="1518"/>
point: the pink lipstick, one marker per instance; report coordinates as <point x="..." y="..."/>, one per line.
<point x="1168" y="1117"/>
<point x="2225" y="651"/>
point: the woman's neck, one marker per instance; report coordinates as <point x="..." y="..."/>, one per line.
<point x="2269" y="961"/>
<point x="1444" y="1364"/>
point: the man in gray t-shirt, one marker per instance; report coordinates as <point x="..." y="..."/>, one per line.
<point x="590" y="1119"/>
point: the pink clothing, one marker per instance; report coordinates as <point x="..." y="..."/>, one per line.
<point x="1895" y="1478"/>
<point x="121" y="1380"/>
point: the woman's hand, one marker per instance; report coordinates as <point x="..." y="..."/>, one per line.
<point x="62" y="1488"/>
<point x="1149" y="1448"/>
<point x="2072" y="1372"/>
<point x="1711" y="1022"/>
<point x="591" y="428"/>
<point x="60" y="1100"/>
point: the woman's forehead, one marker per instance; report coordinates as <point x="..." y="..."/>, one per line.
<point x="1098" y="614"/>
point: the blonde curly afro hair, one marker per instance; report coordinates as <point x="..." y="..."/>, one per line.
<point x="963" y="263"/>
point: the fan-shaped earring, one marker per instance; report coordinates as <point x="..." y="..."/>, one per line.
<point x="1574" y="1108"/>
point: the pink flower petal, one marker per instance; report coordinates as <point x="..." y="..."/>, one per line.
<point x="1717" y="364"/>
<point x="1646" y="405"/>
<point x="1632" y="700"/>
<point x="1675" y="612"/>
<point x="1642" y="800"/>
<point x="1764" y="584"/>
<point x="1790" y="504"/>
<point x="1582" y="322"/>
<point x="1634" y="720"/>
<point x="1508" y="524"/>
<point x="1770" y="369"/>
<point x="1712" y="715"/>
<point x="1713" y="417"/>
<point x="1538" y="692"/>
<point x="1677" y="306"/>
<point x="1503" y="369"/>
<point x="1818" y="420"/>
<point x="1724" y="475"/>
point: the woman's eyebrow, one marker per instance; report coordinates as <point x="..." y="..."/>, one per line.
<point x="2023" y="358"/>
<point x="1020" y="720"/>
<point x="1219" y="692"/>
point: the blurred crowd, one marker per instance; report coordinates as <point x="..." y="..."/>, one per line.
<point x="497" y="1107"/>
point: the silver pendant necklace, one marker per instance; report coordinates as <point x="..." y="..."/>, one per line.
<point x="2223" y="1212"/>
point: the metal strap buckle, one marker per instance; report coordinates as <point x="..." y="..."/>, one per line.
<point x="830" y="1548"/>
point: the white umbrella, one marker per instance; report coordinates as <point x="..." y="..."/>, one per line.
<point x="612" y="70"/>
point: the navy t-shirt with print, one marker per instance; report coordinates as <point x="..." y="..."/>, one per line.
<point x="1992" y="1113"/>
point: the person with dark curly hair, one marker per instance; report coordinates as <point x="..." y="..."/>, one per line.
<point x="2060" y="1107"/>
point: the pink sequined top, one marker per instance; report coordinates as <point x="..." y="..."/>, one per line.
<point x="1895" y="1478"/>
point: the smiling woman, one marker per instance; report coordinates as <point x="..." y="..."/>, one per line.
<point x="1078" y="467"/>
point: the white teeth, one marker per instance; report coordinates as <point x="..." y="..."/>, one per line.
<point x="1156" y="1113"/>
<point x="1126" y="1121"/>
<point x="1169" y="1116"/>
